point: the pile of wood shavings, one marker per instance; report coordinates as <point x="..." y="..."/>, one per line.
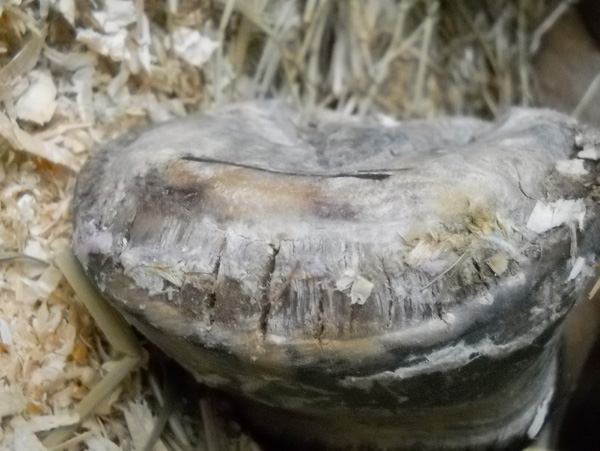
<point x="73" y="77"/>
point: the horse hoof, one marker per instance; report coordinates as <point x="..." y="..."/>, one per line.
<point x="355" y="284"/>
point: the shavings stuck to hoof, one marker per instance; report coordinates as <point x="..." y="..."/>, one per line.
<point x="578" y="266"/>
<point x="572" y="167"/>
<point x="563" y="211"/>
<point x="498" y="263"/>
<point x="360" y="291"/>
<point x="589" y="142"/>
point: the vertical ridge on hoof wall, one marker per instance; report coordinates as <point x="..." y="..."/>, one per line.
<point x="354" y="283"/>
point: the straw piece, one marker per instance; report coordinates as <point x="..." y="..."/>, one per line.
<point x="118" y="332"/>
<point x="592" y="90"/>
<point x="96" y="395"/>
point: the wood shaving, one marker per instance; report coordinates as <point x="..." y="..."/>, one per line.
<point x="192" y="46"/>
<point x="547" y="216"/>
<point x="571" y="167"/>
<point x="498" y="263"/>
<point x="590" y="143"/>
<point x="12" y="401"/>
<point x="590" y="153"/>
<point x="98" y="443"/>
<point x="140" y="423"/>
<point x="360" y="291"/>
<point x="578" y="266"/>
<point x="38" y="103"/>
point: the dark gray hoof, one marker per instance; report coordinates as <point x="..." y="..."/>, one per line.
<point x="399" y="286"/>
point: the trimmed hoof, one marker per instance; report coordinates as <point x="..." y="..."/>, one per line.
<point x="398" y="286"/>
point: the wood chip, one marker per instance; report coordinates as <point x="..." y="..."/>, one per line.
<point x="547" y="216"/>
<point x="38" y="102"/>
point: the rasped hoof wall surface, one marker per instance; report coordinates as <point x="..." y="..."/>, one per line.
<point x="355" y="283"/>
